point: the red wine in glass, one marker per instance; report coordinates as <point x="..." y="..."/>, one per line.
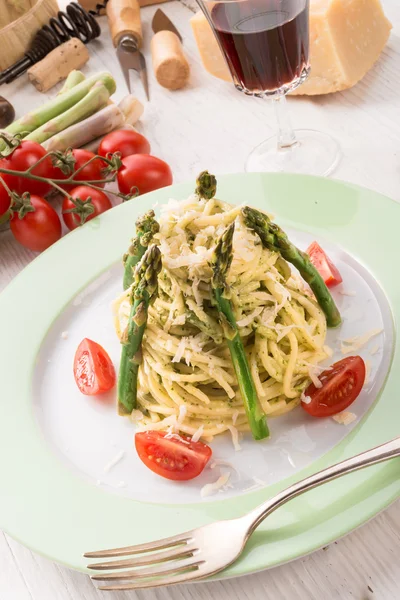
<point x="265" y="42"/>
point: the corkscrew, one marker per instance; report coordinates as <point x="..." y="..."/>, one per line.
<point x="74" y="22"/>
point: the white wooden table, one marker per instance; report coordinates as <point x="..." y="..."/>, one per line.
<point x="210" y="125"/>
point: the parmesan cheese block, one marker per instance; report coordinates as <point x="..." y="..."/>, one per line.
<point x="346" y="39"/>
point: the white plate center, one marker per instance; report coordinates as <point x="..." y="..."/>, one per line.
<point x="98" y="445"/>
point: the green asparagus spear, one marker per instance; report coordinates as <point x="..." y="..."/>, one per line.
<point x="143" y="292"/>
<point x="273" y="238"/>
<point x="146" y="227"/>
<point x="206" y="185"/>
<point x="57" y="106"/>
<point x="220" y="263"/>
<point x="74" y="78"/>
<point x="95" y="99"/>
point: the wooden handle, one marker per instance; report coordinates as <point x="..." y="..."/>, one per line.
<point x="58" y="64"/>
<point x="124" y="18"/>
<point x="170" y="65"/>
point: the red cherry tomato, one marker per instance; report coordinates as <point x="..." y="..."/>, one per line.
<point x="92" y="172"/>
<point x="170" y="457"/>
<point x="340" y="387"/>
<point x="98" y="199"/>
<point x="5" y="199"/>
<point x="145" y="172"/>
<point x="93" y="370"/>
<point x="324" y="265"/>
<point x="39" y="229"/>
<point x="125" y="142"/>
<point x="28" y="154"/>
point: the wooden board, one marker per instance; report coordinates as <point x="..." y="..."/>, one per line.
<point x="16" y="37"/>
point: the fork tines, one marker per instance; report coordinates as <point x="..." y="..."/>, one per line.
<point x="164" y="562"/>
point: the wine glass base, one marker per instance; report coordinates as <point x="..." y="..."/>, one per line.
<point x="314" y="153"/>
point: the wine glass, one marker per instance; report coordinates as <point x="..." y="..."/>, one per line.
<point x="266" y="44"/>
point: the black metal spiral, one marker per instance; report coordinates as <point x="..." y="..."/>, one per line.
<point x="99" y="10"/>
<point x="74" y="22"/>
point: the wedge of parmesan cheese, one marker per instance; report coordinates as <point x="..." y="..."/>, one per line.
<point x="346" y="39"/>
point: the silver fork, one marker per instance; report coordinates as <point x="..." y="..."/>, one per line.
<point x="207" y="550"/>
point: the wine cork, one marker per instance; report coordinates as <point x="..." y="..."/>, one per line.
<point x="58" y="64"/>
<point x="170" y="65"/>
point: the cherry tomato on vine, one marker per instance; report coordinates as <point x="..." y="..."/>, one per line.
<point x="5" y="199"/>
<point x="341" y="384"/>
<point x="25" y="156"/>
<point x="39" y="228"/>
<point x="125" y="142"/>
<point x="92" y="172"/>
<point x="93" y="370"/>
<point x="144" y="172"/>
<point x="86" y="204"/>
<point x="172" y="458"/>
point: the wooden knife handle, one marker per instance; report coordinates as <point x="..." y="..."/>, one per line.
<point x="124" y="18"/>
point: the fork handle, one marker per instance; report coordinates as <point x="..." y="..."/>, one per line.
<point x="365" y="459"/>
<point x="124" y="19"/>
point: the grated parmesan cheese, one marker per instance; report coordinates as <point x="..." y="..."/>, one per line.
<point x="182" y="346"/>
<point x="211" y="488"/>
<point x="137" y="415"/>
<point x="314" y="378"/>
<point x="304" y="398"/>
<point x="175" y="436"/>
<point x="346" y="293"/>
<point x="355" y="343"/>
<point x="179" y="320"/>
<point x="64" y="335"/>
<point x="198" y="433"/>
<point x="250" y="317"/>
<point x="114" y="461"/>
<point x="181" y="416"/>
<point x="196" y="293"/>
<point x="235" y="437"/>
<point x="344" y="418"/>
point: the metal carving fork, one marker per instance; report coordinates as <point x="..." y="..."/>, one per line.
<point x="207" y="550"/>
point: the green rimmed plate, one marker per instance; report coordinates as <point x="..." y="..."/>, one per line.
<point x="60" y="494"/>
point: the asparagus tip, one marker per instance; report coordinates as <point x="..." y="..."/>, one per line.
<point x="206" y="185"/>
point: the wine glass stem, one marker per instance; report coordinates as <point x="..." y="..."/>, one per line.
<point x="286" y="136"/>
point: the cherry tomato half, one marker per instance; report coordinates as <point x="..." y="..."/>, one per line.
<point x="39" y="229"/>
<point x="325" y="267"/>
<point x="340" y="387"/>
<point x="125" y="142"/>
<point x="93" y="370"/>
<point x="145" y="172"/>
<point x="172" y="458"/>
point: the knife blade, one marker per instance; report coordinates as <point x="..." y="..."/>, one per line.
<point x="126" y="33"/>
<point x="163" y="23"/>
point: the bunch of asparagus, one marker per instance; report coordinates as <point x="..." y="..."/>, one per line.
<point x="142" y="265"/>
<point x="80" y="113"/>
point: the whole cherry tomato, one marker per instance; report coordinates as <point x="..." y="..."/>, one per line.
<point x="86" y="204"/>
<point x="39" y="228"/>
<point x="144" y="172"/>
<point x="125" y="142"/>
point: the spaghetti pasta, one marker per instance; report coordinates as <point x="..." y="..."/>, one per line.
<point x="187" y="382"/>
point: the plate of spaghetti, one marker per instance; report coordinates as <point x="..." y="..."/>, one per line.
<point x="198" y="349"/>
